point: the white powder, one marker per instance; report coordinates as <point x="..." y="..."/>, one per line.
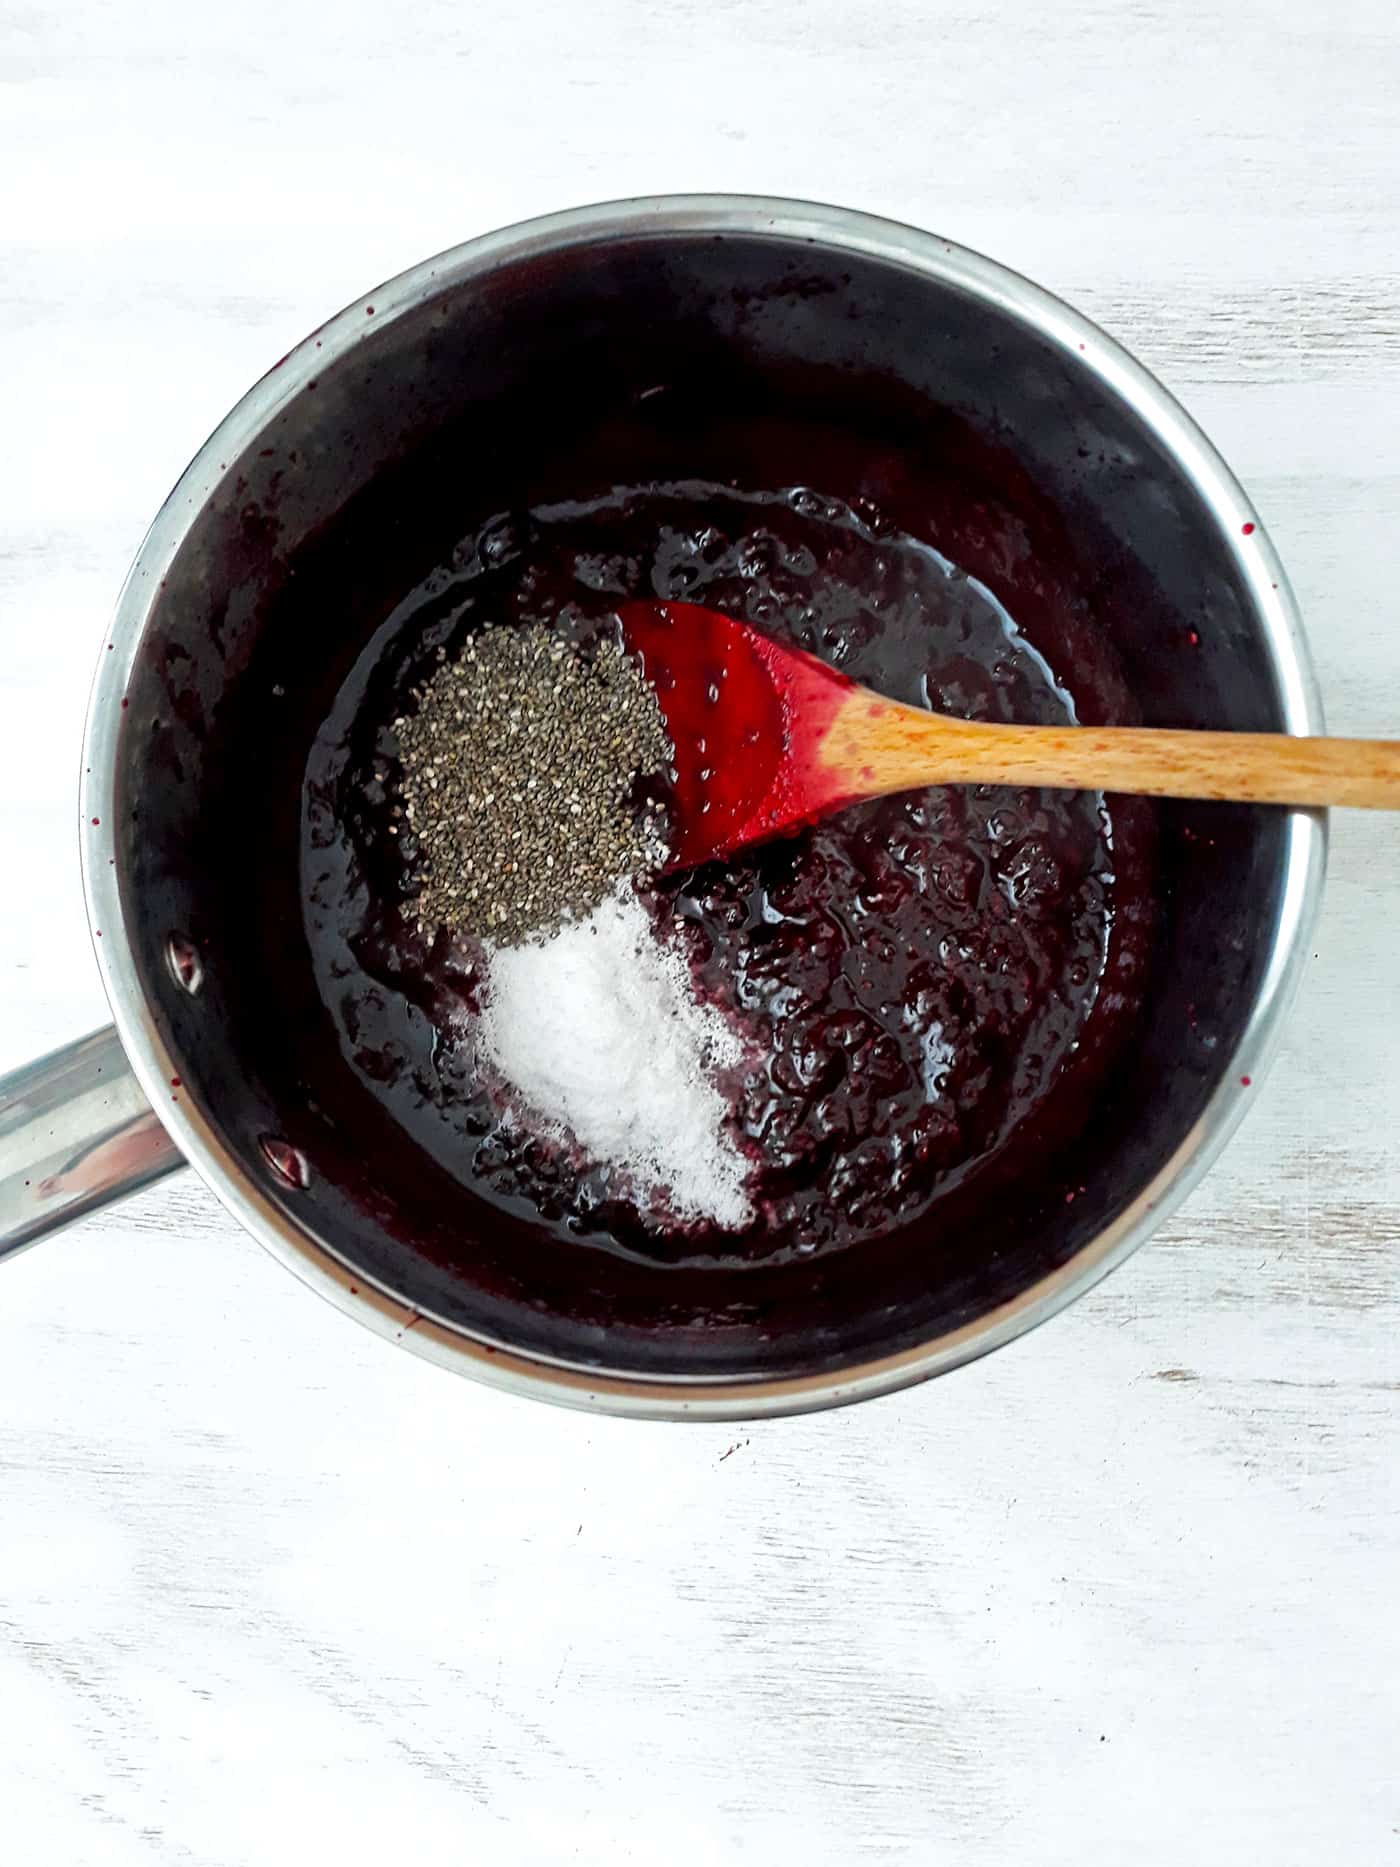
<point x="598" y="1030"/>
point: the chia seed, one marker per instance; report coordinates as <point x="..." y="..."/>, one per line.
<point x="520" y="769"/>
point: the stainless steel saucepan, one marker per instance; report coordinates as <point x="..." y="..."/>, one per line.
<point x="268" y="571"/>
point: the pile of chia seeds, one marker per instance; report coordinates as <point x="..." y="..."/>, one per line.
<point x="521" y="765"/>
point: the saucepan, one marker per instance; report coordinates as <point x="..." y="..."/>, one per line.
<point x="331" y="487"/>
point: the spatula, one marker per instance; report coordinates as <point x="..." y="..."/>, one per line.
<point x="767" y="738"/>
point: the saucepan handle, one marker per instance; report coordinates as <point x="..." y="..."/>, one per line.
<point x="76" y="1132"/>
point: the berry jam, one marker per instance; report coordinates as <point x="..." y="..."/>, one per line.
<point x="927" y="983"/>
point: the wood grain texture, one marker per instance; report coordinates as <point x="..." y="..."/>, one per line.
<point x="873" y="748"/>
<point x="271" y="1591"/>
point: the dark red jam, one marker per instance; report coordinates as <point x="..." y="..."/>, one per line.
<point x="930" y="982"/>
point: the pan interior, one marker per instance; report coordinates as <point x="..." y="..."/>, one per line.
<point x="537" y="380"/>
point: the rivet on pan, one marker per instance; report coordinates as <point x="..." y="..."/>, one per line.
<point x="286" y="1161"/>
<point x="186" y="967"/>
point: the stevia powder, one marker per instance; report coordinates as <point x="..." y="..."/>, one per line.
<point x="600" y="1033"/>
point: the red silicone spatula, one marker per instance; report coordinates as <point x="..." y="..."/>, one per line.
<point x="768" y="737"/>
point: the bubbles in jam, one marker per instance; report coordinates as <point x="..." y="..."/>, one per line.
<point x="927" y="982"/>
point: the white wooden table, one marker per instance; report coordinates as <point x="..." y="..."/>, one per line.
<point x="272" y="1592"/>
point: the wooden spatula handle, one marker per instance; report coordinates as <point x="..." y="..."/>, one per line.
<point x="895" y="748"/>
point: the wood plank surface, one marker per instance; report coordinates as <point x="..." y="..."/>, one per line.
<point x="272" y="1592"/>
